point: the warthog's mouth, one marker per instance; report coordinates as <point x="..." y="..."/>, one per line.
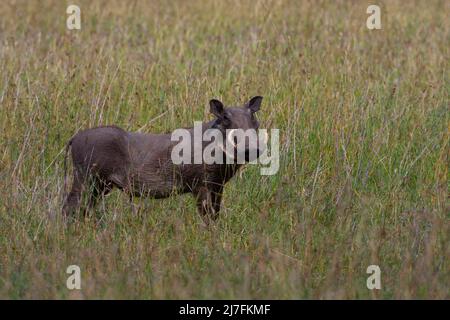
<point x="250" y="154"/>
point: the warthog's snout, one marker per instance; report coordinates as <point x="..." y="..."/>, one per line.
<point x="248" y="145"/>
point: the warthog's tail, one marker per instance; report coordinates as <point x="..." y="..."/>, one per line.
<point x="64" y="193"/>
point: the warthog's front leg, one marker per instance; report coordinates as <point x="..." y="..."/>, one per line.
<point x="208" y="202"/>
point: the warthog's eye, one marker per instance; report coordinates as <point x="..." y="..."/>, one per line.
<point x="226" y="120"/>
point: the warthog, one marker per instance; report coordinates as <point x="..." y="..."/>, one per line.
<point x="141" y="164"/>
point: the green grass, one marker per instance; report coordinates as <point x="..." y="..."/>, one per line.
<point x="364" y="120"/>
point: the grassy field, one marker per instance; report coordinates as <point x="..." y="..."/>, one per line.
<point x="364" y="135"/>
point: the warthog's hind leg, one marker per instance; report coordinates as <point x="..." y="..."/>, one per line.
<point x="91" y="186"/>
<point x="97" y="188"/>
<point x="73" y="199"/>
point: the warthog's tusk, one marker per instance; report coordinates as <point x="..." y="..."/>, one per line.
<point x="265" y="139"/>
<point x="223" y="148"/>
<point x="229" y="137"/>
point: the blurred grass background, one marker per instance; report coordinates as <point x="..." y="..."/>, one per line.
<point x="364" y="120"/>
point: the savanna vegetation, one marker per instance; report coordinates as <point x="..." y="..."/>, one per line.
<point x="364" y="140"/>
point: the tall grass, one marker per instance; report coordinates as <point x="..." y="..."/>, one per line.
<point x="364" y="120"/>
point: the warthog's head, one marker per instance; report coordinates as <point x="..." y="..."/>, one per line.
<point x="240" y="127"/>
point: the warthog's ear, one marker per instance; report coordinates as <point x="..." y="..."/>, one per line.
<point x="254" y="103"/>
<point x="216" y="108"/>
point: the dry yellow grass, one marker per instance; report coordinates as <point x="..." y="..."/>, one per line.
<point x="364" y="120"/>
